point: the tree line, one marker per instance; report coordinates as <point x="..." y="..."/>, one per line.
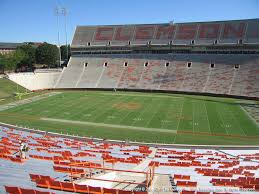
<point x="27" y="55"/>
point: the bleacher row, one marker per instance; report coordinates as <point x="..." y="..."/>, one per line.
<point x="54" y="161"/>
<point x="183" y="74"/>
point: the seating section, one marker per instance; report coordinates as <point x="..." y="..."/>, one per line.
<point x="174" y="76"/>
<point x="131" y="74"/>
<point x="152" y="74"/>
<point x="220" y="79"/>
<point x="160" y="34"/>
<point x="112" y="73"/>
<point x="71" y="73"/>
<point x="53" y="161"/>
<point x="190" y="73"/>
<point x="195" y="77"/>
<point x="246" y="80"/>
<point x="92" y="72"/>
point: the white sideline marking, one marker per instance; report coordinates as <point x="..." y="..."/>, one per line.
<point x="141" y="95"/>
<point x="109" y="125"/>
<point x="27" y="100"/>
<point x="111" y="117"/>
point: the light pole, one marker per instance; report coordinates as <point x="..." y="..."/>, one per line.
<point x="57" y="14"/>
<point x="65" y="12"/>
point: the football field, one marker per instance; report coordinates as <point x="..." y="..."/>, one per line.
<point x="163" y="118"/>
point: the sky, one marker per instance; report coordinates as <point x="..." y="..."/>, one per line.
<point x="36" y="21"/>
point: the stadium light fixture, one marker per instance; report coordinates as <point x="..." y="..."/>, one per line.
<point x="57" y="12"/>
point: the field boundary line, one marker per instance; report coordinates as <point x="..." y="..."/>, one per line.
<point x="109" y="125"/>
<point x="249" y="116"/>
<point x="27" y="101"/>
<point x="140" y="95"/>
<point x="236" y="120"/>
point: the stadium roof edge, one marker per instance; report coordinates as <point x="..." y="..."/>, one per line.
<point x="216" y="21"/>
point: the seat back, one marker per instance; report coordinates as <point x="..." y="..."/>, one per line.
<point x="42" y="192"/>
<point x="27" y="191"/>
<point x="81" y="188"/>
<point x="42" y="183"/>
<point x="109" y="191"/>
<point x="12" y="190"/>
<point x="125" y="192"/>
<point x="94" y="189"/>
<point x="34" y="177"/>
<point x="67" y="186"/>
<point x="55" y="185"/>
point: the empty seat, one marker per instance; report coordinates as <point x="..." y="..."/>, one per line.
<point x="67" y="186"/>
<point x="81" y="188"/>
<point x="55" y="185"/>
<point x="94" y="189"/>
<point x="42" y="183"/>
<point x="12" y="190"/>
<point x="109" y="191"/>
<point x="43" y="192"/>
<point x="27" y="191"/>
<point x="34" y="177"/>
<point x="124" y="192"/>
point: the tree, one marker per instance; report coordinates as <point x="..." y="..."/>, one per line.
<point x="30" y="52"/>
<point x="11" y="60"/>
<point x="47" y="54"/>
<point x="65" y="52"/>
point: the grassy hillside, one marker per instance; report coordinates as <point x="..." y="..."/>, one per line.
<point x="8" y="90"/>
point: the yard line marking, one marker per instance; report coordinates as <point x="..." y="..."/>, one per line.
<point x="192" y="117"/>
<point x="207" y="116"/>
<point x="142" y="112"/>
<point x="96" y="104"/>
<point x="166" y="113"/>
<point x="180" y="116"/>
<point x="159" y="106"/>
<point x="108" y="125"/>
<point x="235" y="120"/>
<point x="106" y="109"/>
<point x="120" y="120"/>
<point x="174" y="138"/>
<point x="220" y="116"/>
<point x="124" y="100"/>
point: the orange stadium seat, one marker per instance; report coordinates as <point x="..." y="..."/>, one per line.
<point x="12" y="190"/>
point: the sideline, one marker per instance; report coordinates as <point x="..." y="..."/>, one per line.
<point x="109" y="125"/>
<point x="27" y="100"/>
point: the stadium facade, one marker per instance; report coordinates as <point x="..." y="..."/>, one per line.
<point x="207" y="57"/>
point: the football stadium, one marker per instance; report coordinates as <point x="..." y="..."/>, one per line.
<point x="136" y="109"/>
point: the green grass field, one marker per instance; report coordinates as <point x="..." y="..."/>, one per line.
<point x="163" y="118"/>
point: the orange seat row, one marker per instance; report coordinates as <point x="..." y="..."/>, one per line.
<point x="18" y="190"/>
